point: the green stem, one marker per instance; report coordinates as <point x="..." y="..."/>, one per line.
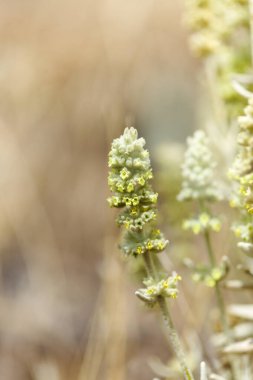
<point x="221" y="304"/>
<point x="150" y="266"/>
<point x="219" y="297"/>
<point x="173" y="336"/>
<point x="209" y="248"/>
<point x="218" y="293"/>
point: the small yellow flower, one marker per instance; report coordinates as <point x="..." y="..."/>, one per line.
<point x="178" y="277"/>
<point x="165" y="284"/>
<point x="151" y="290"/>
<point x="115" y="201"/>
<point x="128" y="201"/>
<point x="139" y="250"/>
<point x="124" y="173"/>
<point x="130" y="187"/>
<point x="209" y="281"/>
<point x="160" y="245"/>
<point x="196" y="228"/>
<point x="216" y="225"/>
<point x="153" y="198"/>
<point x="216" y="274"/>
<point x="110" y="162"/>
<point x="120" y="187"/>
<point x="127" y="224"/>
<point x="243" y="191"/>
<point x="141" y="181"/>
<point x="149" y="245"/>
<point x="204" y="219"/>
<point x="233" y="203"/>
<point x="135" y="201"/>
<point x="238" y="231"/>
<point x="173" y="295"/>
<point x="134" y="211"/>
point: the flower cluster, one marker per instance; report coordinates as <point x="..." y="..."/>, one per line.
<point x="129" y="180"/>
<point x="165" y="287"/>
<point x="211" y="276"/>
<point x="198" y="171"/>
<point x="202" y="223"/>
<point x="232" y="60"/>
<point x="137" y="242"/>
<point x="215" y="26"/>
<point x="201" y="20"/>
<point x="244" y="232"/>
<point x="213" y="22"/>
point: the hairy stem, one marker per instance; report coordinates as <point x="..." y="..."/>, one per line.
<point x="150" y="266"/>
<point x="173" y="336"/>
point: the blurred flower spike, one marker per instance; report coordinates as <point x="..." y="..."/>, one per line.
<point x="242" y="170"/>
<point x="198" y="171"/>
<point x="202" y="223"/>
<point x="211" y="276"/>
<point x="242" y="174"/>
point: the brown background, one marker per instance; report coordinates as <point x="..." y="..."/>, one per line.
<point x="73" y="74"/>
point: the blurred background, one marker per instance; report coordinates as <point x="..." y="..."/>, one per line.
<point x="73" y="74"/>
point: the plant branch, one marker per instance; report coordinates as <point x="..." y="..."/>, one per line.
<point x="220" y="303"/>
<point x="219" y="297"/>
<point x="173" y="336"/>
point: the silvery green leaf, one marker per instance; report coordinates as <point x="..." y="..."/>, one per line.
<point x="238" y="284"/>
<point x="145" y="297"/>
<point x="243" y="347"/>
<point x="241" y="311"/>
<point x="246" y="247"/>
